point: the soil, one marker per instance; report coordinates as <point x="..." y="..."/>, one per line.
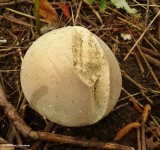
<point x="115" y="21"/>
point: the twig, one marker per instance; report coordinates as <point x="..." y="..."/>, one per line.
<point x="143" y="137"/>
<point x="139" y="63"/>
<point x="47" y="128"/>
<point x="13" y="2"/>
<point x="95" y="12"/>
<point x="13" y="134"/>
<point x="23" y="14"/>
<point x="78" y="12"/>
<point x="149" y="42"/>
<point x="88" y="21"/>
<point x="152" y="60"/>
<point x="126" y="97"/>
<point x="17" y="44"/>
<point x="26" y="131"/>
<point x="125" y="91"/>
<point x="156" y="10"/>
<point x="12" y="19"/>
<point x="37" y="16"/>
<point x="124" y="20"/>
<point x="149" y="51"/>
<point x="141" y="88"/>
<point x="82" y="142"/>
<point x="155" y="121"/>
<point x="120" y="106"/>
<point x="47" y="144"/>
<point x="141" y="35"/>
<point x="152" y="38"/>
<point x="138" y="139"/>
<point x="10" y="53"/>
<point x="147" y="13"/>
<point x="147" y="64"/>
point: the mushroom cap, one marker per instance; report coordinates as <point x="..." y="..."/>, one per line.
<point x="71" y="77"/>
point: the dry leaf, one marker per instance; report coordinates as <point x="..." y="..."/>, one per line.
<point x="47" y="11"/>
<point x="64" y="9"/>
<point x="146" y="111"/>
<point x="122" y="132"/>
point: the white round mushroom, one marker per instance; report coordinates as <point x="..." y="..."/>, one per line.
<point x="71" y="77"/>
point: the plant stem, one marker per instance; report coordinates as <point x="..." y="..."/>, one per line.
<point x="37" y="5"/>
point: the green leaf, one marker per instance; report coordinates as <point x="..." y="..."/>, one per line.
<point x="103" y="5"/>
<point x="90" y="1"/>
<point x="123" y="4"/>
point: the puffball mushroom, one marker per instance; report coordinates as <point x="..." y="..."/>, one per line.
<point x="71" y="77"/>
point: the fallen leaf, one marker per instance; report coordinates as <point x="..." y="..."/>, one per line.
<point x="47" y="11"/>
<point x="65" y="9"/>
<point x="122" y="132"/>
<point x="102" y="5"/>
<point x="124" y="5"/>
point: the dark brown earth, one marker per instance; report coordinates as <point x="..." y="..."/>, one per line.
<point x="115" y="21"/>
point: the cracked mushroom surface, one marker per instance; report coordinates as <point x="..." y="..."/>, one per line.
<point x="71" y="77"/>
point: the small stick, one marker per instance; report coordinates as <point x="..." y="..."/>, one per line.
<point x="13" y="134"/>
<point x="85" y="19"/>
<point x="18" y="21"/>
<point x="133" y="81"/>
<point x="139" y="63"/>
<point x="37" y="16"/>
<point x="13" y="2"/>
<point x="143" y="137"/>
<point x="78" y="12"/>
<point x="126" y="97"/>
<point x="150" y="44"/>
<point x="17" y="135"/>
<point x="95" y="12"/>
<point x="47" y="144"/>
<point x="72" y="14"/>
<point x="149" y="51"/>
<point x="10" y="53"/>
<point x="152" y="38"/>
<point x="156" y="10"/>
<point x="141" y="88"/>
<point x="138" y="139"/>
<point x="141" y="36"/>
<point x="152" y="60"/>
<point x="147" y="13"/>
<point x="23" y="14"/>
<point x="147" y="64"/>
<point x="125" y="91"/>
<point x="155" y="121"/>
<point x="47" y="128"/>
<point x="82" y="142"/>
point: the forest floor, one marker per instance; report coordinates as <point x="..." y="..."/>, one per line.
<point x="138" y="57"/>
